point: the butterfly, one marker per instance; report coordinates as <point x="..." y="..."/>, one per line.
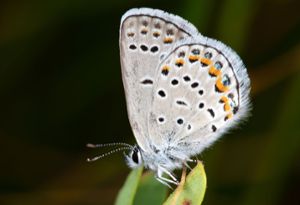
<point x="183" y="90"/>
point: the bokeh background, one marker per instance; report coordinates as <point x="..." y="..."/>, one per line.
<point x="60" y="87"/>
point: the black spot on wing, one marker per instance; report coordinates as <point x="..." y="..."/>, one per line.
<point x="211" y="112"/>
<point x="147" y="82"/>
<point x="181" y="102"/>
<point x="214" y="128"/>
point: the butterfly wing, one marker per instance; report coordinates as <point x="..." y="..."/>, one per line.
<point x="204" y="92"/>
<point x="146" y="35"/>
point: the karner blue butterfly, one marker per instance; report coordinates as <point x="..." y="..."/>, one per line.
<point x="183" y="90"/>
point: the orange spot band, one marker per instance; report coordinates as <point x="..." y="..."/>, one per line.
<point x="179" y="62"/>
<point x="156" y="34"/>
<point x="224" y="99"/>
<point x="214" y="72"/>
<point x="168" y="40"/>
<point x="227" y="107"/>
<point x="166" y="68"/>
<point x="206" y="61"/>
<point x="193" y="58"/>
<point x="228" y="116"/>
<point x="220" y="86"/>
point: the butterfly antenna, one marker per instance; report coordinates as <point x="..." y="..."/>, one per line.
<point x="107" y="153"/>
<point x="89" y="145"/>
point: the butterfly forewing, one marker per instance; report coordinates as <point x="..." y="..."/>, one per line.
<point x="146" y="36"/>
<point x="201" y="96"/>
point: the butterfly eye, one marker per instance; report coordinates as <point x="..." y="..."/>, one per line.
<point x="136" y="155"/>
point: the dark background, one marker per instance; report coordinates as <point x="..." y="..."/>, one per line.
<point x="60" y="87"/>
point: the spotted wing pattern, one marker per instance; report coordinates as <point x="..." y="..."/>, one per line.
<point x="202" y="89"/>
<point x="146" y="36"/>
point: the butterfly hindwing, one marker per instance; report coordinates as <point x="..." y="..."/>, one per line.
<point x="203" y="94"/>
<point x="146" y="36"/>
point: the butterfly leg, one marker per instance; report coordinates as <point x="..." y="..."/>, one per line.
<point x="163" y="182"/>
<point x="159" y="176"/>
<point x="164" y="170"/>
<point x="187" y="165"/>
<point x="192" y="160"/>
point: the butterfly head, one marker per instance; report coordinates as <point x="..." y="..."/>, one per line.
<point x="134" y="158"/>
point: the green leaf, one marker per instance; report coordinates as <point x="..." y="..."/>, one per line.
<point x="128" y="191"/>
<point x="191" y="190"/>
<point x="150" y="191"/>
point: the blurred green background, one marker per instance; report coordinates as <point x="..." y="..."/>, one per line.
<point x="60" y="87"/>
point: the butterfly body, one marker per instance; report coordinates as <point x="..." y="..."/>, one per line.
<point x="183" y="90"/>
